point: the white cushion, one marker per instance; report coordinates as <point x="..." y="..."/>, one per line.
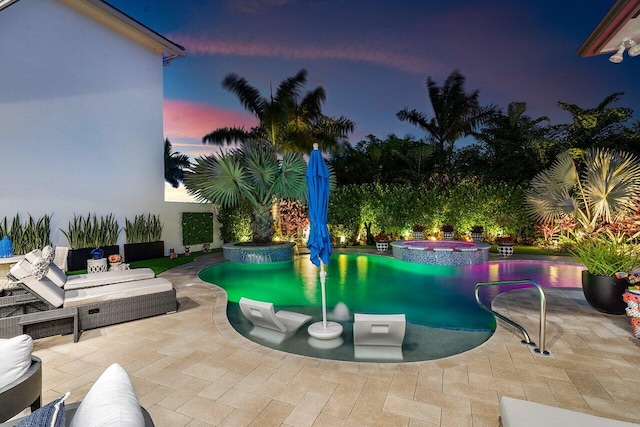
<point x="77" y="297"/>
<point x="16" y="358"/>
<point x="33" y="255"/>
<point x="56" y="275"/>
<point x="111" y="401"/>
<point x="107" y="277"/>
<point x="21" y="269"/>
<point x="45" y="289"/>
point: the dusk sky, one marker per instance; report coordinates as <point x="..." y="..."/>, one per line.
<point x="373" y="57"/>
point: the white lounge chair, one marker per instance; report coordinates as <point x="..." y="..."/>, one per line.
<point x="262" y="314"/>
<point x="379" y="329"/>
<point x="89" y="308"/>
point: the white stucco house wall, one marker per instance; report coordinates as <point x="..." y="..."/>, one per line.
<point x="81" y="119"/>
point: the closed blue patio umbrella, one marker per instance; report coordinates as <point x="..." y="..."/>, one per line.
<point x="319" y="242"/>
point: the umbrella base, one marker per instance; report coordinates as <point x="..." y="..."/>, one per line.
<point x="317" y="330"/>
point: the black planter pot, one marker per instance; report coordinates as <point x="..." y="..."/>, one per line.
<point x="604" y="293"/>
<point x="77" y="258"/>
<point x="142" y="251"/>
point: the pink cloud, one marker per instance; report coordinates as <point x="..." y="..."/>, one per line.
<point x="351" y="52"/>
<point x="192" y="120"/>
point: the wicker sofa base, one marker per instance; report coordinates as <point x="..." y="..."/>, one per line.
<point x="91" y="316"/>
<point x="97" y="315"/>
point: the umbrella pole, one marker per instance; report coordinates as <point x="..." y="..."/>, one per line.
<point x="323" y="278"/>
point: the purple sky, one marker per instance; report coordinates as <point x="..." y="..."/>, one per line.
<point x="373" y="57"/>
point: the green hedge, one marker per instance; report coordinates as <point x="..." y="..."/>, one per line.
<point x="197" y="228"/>
<point x="396" y="207"/>
<point x="235" y="223"/>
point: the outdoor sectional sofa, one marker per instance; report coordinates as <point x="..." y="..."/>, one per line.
<point x="57" y="304"/>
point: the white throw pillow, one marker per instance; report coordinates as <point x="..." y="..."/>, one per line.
<point x="56" y="275"/>
<point x="111" y="402"/>
<point x="39" y="268"/>
<point x="48" y="253"/>
<point x="16" y="358"/>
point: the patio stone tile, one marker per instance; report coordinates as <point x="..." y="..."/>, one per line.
<point x="306" y="412"/>
<point x="205" y="372"/>
<point x="205" y="410"/>
<point x="238" y="418"/>
<point x="154" y="395"/>
<point x="616" y="410"/>
<point x="274" y="414"/>
<point x="403" y="385"/>
<point x="484" y="409"/>
<point x="288" y="393"/>
<point x="413" y="409"/>
<point x="164" y="417"/>
<point x="239" y="399"/>
<point x="341" y="402"/>
<point x="454" y="419"/>
<point x="539" y="394"/>
<point x="456" y="403"/>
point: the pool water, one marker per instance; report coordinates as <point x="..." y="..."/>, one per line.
<point x="435" y="299"/>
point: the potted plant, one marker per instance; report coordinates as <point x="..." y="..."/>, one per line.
<point x="382" y="242"/>
<point x="447" y="231"/>
<point x="143" y="238"/>
<point x="604" y="255"/>
<point x="85" y="234"/>
<point x="505" y="245"/>
<point x="418" y="230"/>
<point x="476" y="233"/>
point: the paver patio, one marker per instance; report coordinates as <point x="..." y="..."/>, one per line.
<point x="191" y="368"/>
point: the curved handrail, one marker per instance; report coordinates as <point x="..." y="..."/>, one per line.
<point x="543" y="310"/>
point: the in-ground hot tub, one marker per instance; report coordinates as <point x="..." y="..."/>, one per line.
<point x="252" y="253"/>
<point x="441" y="252"/>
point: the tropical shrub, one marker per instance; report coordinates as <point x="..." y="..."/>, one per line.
<point x="606" y="253"/>
<point x="254" y="174"/>
<point x="593" y="190"/>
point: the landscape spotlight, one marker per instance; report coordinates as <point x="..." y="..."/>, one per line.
<point x="617" y="57"/>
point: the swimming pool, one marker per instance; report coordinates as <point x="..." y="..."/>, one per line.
<point x="433" y="296"/>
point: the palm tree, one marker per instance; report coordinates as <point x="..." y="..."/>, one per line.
<point x="287" y="120"/>
<point x="604" y="184"/>
<point x="456" y="114"/>
<point x="174" y="165"/>
<point x="602" y="126"/>
<point x="250" y="173"/>
<point x="514" y="146"/>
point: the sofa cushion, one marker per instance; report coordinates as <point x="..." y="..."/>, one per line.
<point x="16" y="358"/>
<point x="50" y="415"/>
<point x="111" y="401"/>
<point x="80" y="281"/>
<point x="78" y="297"/>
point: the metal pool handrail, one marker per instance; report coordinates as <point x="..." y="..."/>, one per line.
<point x="543" y="310"/>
